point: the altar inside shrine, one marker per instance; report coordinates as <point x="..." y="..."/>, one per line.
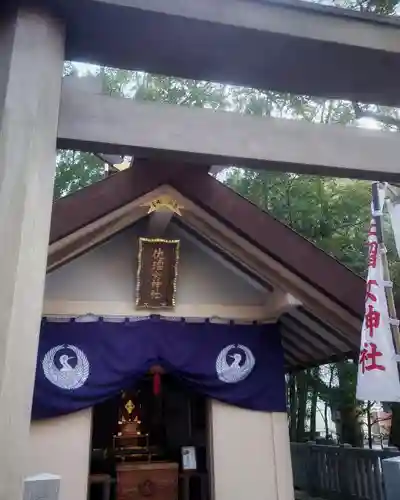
<point x="137" y="450"/>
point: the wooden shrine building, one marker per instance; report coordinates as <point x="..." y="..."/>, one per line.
<point x="237" y="265"/>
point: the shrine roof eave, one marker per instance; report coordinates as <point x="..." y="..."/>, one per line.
<point x="327" y="331"/>
<point x="266" y="233"/>
<point x="295" y="47"/>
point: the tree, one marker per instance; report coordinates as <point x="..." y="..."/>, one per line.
<point x="350" y="411"/>
<point x="76" y="170"/>
<point x="331" y="370"/>
<point x="292" y="400"/>
<point x="333" y="213"/>
<point x="315" y="375"/>
<point x="302" y="399"/>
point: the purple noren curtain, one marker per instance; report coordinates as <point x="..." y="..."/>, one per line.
<point x="83" y="363"/>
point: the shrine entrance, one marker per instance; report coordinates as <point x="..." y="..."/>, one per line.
<point x="150" y="441"/>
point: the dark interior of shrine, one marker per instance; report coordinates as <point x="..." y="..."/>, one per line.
<point x="140" y="440"/>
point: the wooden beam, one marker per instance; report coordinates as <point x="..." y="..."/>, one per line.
<point x="95" y="122"/>
<point x="158" y="223"/>
<point x="305" y="342"/>
<point x="287" y="46"/>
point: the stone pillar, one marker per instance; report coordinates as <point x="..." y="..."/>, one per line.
<point x="31" y="61"/>
<point x="250" y="454"/>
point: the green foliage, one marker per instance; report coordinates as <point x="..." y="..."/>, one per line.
<point x="333" y="213"/>
<point x="76" y="170"/>
<point x="382" y="7"/>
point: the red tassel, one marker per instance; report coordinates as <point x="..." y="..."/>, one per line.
<point x="156" y="384"/>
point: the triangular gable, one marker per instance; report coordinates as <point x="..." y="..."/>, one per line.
<point x="325" y="327"/>
<point x="201" y="271"/>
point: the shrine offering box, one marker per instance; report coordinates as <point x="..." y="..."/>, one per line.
<point x="139" y="481"/>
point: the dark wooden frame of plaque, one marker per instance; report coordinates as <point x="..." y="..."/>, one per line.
<point x="143" y="286"/>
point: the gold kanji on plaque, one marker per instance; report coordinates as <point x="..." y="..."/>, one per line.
<point x="157" y="273"/>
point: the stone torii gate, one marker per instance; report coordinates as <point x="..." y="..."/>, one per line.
<point x="288" y="46"/>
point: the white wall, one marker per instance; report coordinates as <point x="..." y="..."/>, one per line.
<point x="61" y="446"/>
<point x="251" y="454"/>
<point x="103" y="282"/>
<point x="108" y="272"/>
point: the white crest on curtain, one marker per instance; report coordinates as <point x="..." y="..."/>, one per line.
<point x="239" y="368"/>
<point x="67" y="377"/>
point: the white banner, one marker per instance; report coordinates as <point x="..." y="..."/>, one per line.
<point x="394" y="212"/>
<point x="378" y="377"/>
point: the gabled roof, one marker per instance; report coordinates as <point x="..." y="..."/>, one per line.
<point x="327" y="324"/>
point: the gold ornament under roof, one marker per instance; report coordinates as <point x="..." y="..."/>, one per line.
<point x="164" y="203"/>
<point x="122" y="166"/>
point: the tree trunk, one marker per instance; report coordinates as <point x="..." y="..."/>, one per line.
<point x="350" y="426"/>
<point x="327" y="433"/>
<point x="314" y="401"/>
<point x="369" y="425"/>
<point x="331" y="374"/>
<point x="394" y="436"/>
<point x="292" y="407"/>
<point x="302" y="396"/>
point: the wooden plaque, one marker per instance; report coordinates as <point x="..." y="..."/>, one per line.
<point x="157" y="273"/>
